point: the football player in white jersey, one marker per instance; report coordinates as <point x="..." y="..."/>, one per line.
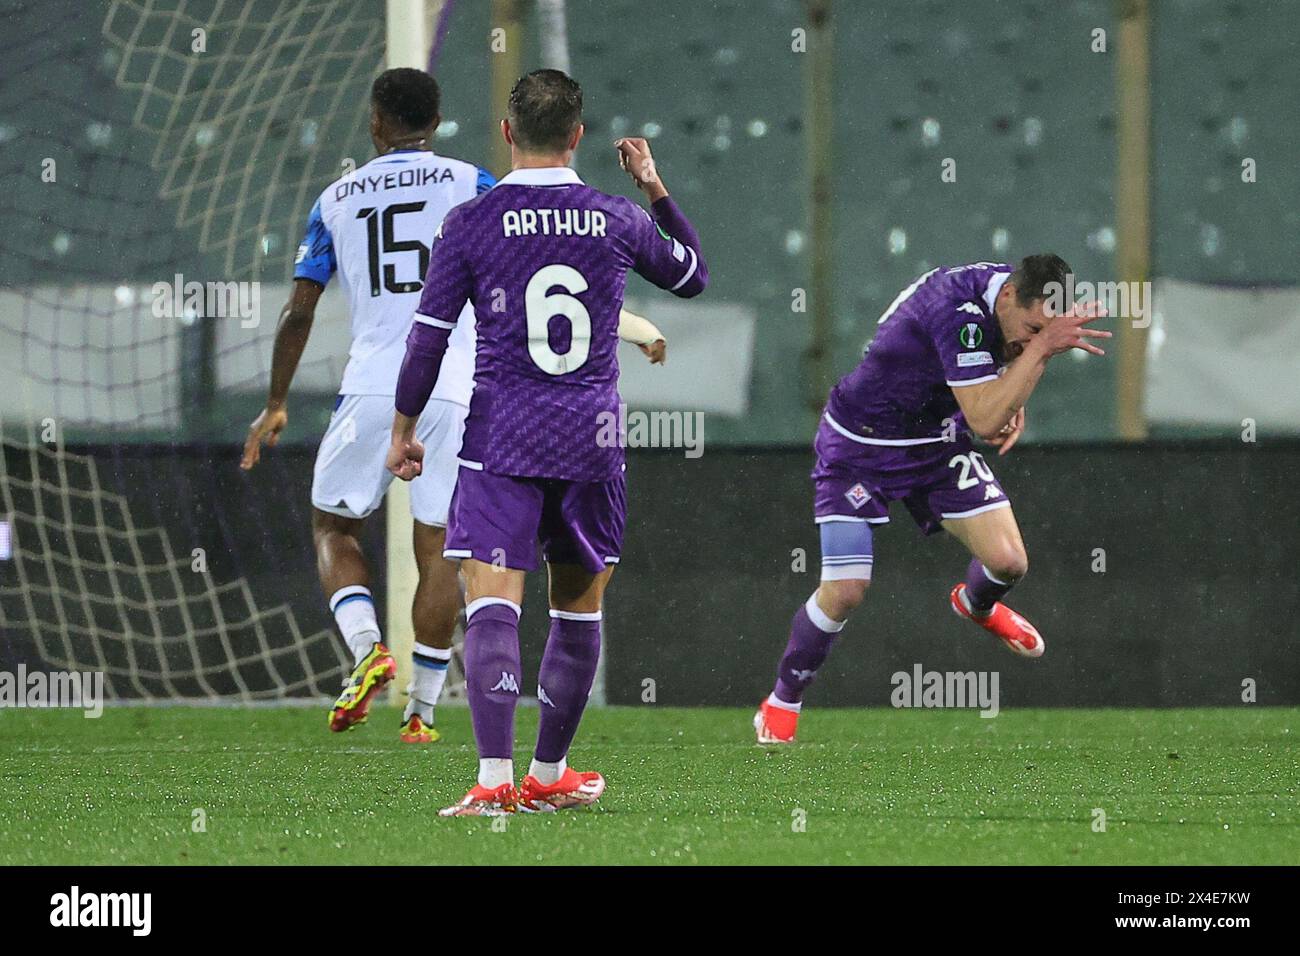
<point x="373" y="227"/>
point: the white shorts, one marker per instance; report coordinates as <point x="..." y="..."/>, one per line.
<point x="350" y="478"/>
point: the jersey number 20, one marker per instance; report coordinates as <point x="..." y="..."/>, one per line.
<point x="966" y="462"/>
<point x="541" y="305"/>
<point x="391" y="244"/>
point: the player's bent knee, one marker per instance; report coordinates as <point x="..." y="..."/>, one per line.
<point x="839" y="598"/>
<point x="1009" y="565"/>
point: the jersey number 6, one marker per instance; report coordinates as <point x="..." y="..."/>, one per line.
<point x="541" y="305"/>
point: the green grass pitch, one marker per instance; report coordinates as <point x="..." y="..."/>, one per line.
<point x="685" y="786"/>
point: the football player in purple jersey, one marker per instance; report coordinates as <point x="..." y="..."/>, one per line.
<point x="959" y="351"/>
<point x="543" y="259"/>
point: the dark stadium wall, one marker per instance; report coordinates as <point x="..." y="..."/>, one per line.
<point x="1201" y="546"/>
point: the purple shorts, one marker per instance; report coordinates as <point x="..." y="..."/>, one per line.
<point x="935" y="481"/>
<point x="499" y="519"/>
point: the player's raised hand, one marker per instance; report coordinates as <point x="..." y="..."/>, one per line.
<point x="644" y="334"/>
<point x="635" y="159"/>
<point x="1068" y="330"/>
<point x="266" y="427"/>
<point x="405" y="458"/>
<point x="1010" y="433"/>
<point x="656" y="351"/>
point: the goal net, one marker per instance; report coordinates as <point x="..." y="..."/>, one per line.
<point x="240" y="96"/>
<point x="163" y="146"/>
<point x="94" y="590"/>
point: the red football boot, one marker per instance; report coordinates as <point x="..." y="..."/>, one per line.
<point x="573" y="789"/>
<point x="1019" y="636"/>
<point x="775" y="725"/>
<point x="482" y="802"/>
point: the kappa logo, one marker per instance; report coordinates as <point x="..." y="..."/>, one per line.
<point x="991" y="491"/>
<point x="970" y="307"/>
<point x="803" y="676"/>
<point x="857" y="496"/>
<point x="541" y="696"/>
<point x="970" y="335"/>
<point x="507" y="683"/>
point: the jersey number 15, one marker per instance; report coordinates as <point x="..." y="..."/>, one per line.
<point x="391" y="244"/>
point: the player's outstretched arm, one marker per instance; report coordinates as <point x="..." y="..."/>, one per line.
<point x="675" y="262"/>
<point x="290" y="339"/>
<point x="990" y="406"/>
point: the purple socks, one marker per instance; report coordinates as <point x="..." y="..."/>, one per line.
<point x="982" y="589"/>
<point x="812" y="634"/>
<point x="492" y="678"/>
<point x="564" y="680"/>
<point x="492" y="674"/>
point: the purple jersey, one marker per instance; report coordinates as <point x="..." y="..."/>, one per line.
<point x="544" y="260"/>
<point x="939" y="334"/>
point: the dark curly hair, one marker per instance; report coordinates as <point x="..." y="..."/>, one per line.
<point x="407" y="98"/>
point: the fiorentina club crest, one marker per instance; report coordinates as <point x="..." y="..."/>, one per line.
<point x="857" y="496"/>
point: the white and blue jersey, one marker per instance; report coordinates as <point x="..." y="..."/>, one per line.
<point x="374" y="227"/>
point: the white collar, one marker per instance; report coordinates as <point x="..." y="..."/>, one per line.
<point x="541" y="176"/>
<point x="994" y="287"/>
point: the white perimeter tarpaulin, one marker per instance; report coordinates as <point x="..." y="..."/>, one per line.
<point x="1218" y="354"/>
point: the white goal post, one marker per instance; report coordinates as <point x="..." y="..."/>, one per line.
<point x="409" y="34"/>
